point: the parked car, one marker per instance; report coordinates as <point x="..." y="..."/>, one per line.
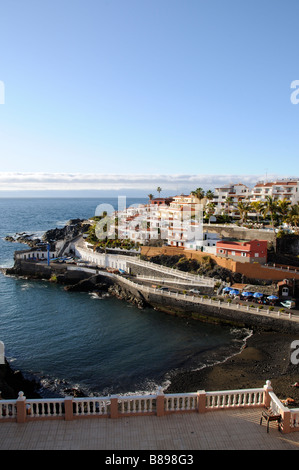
<point x="194" y="291"/>
<point x="288" y="303"/>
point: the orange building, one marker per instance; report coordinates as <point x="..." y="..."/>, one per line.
<point x="243" y="251"/>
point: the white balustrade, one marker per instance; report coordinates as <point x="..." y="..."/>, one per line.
<point x="137" y="404"/>
<point x="117" y="406"/>
<point x="235" y="398"/>
<point x="180" y="402"/>
<point x="45" y="408"/>
<point x="91" y="406"/>
<point x="8" y="409"/>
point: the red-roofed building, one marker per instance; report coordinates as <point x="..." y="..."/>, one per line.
<point x="282" y="189"/>
<point x="243" y="251"/>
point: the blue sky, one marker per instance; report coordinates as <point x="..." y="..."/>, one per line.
<point x="173" y="93"/>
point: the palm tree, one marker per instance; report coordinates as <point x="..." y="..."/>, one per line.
<point x="243" y="208"/>
<point x="228" y="201"/>
<point x="209" y="195"/>
<point x="199" y="193"/>
<point x="159" y="190"/>
<point x="271" y="207"/>
<point x="257" y="206"/>
<point x="150" y="196"/>
<point x="293" y="215"/>
<point x="283" y="209"/>
<point x="210" y="209"/>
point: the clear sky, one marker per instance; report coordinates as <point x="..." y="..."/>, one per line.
<point x="183" y="90"/>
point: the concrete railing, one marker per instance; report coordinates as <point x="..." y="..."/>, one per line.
<point x="90" y="255"/>
<point x="69" y="408"/>
<point x="160" y="280"/>
<point x="265" y="311"/>
<point x="199" y="299"/>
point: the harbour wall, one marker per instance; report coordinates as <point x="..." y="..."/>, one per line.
<point x="188" y="306"/>
<point x="212" y="311"/>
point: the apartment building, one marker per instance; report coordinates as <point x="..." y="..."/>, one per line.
<point x="282" y="189"/>
<point x="227" y="197"/>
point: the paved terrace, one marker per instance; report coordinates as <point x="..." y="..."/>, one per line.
<point x="224" y="420"/>
<point x="215" y="430"/>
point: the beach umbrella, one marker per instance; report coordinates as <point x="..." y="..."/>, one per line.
<point x="234" y="292"/>
<point x="247" y="294"/>
<point x="272" y="297"/>
<point x="258" y="294"/>
<point x="227" y="289"/>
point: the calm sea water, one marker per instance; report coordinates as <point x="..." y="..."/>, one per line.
<point x="105" y="346"/>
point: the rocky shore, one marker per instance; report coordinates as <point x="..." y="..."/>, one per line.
<point x="73" y="228"/>
<point x="13" y="381"/>
<point x="266" y="356"/>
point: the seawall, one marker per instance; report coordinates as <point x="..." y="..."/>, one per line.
<point x="197" y="308"/>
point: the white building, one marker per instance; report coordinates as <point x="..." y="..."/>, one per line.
<point x="236" y="192"/>
<point x="207" y="243"/>
<point x="282" y="189"/>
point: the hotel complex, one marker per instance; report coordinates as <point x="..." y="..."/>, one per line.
<point x="178" y="220"/>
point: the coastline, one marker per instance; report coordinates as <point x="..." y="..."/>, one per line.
<point x="266" y="356"/>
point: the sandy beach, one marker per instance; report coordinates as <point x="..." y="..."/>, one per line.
<point x="266" y="356"/>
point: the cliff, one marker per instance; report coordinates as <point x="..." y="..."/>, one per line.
<point x="12" y="382"/>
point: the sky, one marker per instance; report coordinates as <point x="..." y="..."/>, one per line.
<point x="128" y="95"/>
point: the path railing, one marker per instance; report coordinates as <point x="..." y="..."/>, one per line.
<point x="89" y="255"/>
<point x="213" y="301"/>
<point x="115" y="406"/>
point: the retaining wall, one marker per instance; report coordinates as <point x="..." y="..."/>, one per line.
<point x="250" y="270"/>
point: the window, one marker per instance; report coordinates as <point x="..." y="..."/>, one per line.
<point x="243" y="253"/>
<point x="285" y="291"/>
<point x="256" y="255"/>
<point x="233" y="252"/>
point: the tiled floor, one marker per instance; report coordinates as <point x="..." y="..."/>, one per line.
<point x="228" y="430"/>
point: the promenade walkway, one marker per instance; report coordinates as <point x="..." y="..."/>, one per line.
<point x="221" y="430"/>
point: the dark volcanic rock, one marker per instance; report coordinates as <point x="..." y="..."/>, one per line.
<point x="88" y="285"/>
<point x="12" y="382"/>
<point x="73" y="228"/>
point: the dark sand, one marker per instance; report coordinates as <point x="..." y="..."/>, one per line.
<point x="266" y="356"/>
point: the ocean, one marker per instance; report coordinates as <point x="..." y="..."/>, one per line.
<point x="69" y="340"/>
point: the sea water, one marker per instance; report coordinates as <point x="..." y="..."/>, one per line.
<point x="70" y="340"/>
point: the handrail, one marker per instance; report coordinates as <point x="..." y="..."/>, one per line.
<point x="159" y="404"/>
<point x="56" y="408"/>
<point x="149" y="264"/>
